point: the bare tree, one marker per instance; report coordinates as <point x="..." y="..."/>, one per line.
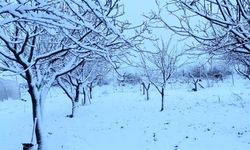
<point x="84" y="76"/>
<point x="71" y="84"/>
<point x="42" y="41"/>
<point x="244" y="70"/>
<point x="195" y="82"/>
<point x="219" y="27"/>
<point x="95" y="71"/>
<point x="160" y="66"/>
<point x="31" y="50"/>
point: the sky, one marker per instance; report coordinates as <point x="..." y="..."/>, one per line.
<point x="134" y="9"/>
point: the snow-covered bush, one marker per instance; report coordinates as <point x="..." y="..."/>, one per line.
<point x="132" y="79"/>
<point x="219" y="70"/>
<point x="203" y="72"/>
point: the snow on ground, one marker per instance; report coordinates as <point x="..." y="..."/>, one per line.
<point x="120" y="118"/>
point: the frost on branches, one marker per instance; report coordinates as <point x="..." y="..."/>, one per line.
<point x="42" y="40"/>
<point x="219" y="27"/>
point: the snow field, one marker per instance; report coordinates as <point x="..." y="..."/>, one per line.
<point x="120" y="118"/>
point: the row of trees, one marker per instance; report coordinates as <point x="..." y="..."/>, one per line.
<point x="218" y="28"/>
<point x="60" y="41"/>
<point x="70" y="42"/>
<point x="81" y="80"/>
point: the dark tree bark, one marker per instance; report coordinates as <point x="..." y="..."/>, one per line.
<point x="72" y="110"/>
<point x="77" y="96"/>
<point x="90" y="86"/>
<point x="162" y="98"/>
<point x="75" y="100"/>
<point x="195" y="82"/>
<point x="195" y="85"/>
<point x="74" y="85"/>
<point x="84" y="96"/>
<point x="143" y="88"/>
<point x="28" y="146"/>
<point x="146" y="88"/>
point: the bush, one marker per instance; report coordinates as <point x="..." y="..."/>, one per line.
<point x="224" y="71"/>
<point x="130" y="79"/>
<point x="202" y="71"/>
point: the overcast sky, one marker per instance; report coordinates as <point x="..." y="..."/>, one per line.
<point x="135" y="8"/>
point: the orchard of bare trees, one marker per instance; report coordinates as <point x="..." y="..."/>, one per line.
<point x="74" y="45"/>
<point x="44" y="41"/>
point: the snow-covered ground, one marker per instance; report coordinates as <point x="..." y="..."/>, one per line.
<point x="119" y="118"/>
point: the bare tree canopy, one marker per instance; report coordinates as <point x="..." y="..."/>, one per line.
<point x="42" y="40"/>
<point x="160" y="66"/>
<point x="219" y="25"/>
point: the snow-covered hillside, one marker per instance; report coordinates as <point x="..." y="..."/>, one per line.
<point x="120" y="118"/>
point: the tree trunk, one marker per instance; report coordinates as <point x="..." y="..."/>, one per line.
<point x="74" y="101"/>
<point x="233" y="79"/>
<point x="77" y="93"/>
<point x="72" y="109"/>
<point x="39" y="133"/>
<point x="36" y="109"/>
<point x="146" y="88"/>
<point x="143" y="88"/>
<point x="162" y="99"/>
<point x="36" y="115"/>
<point x="195" y="85"/>
<point x="90" y="91"/>
<point x="84" y="97"/>
<point x="147" y="94"/>
<point x="147" y="91"/>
